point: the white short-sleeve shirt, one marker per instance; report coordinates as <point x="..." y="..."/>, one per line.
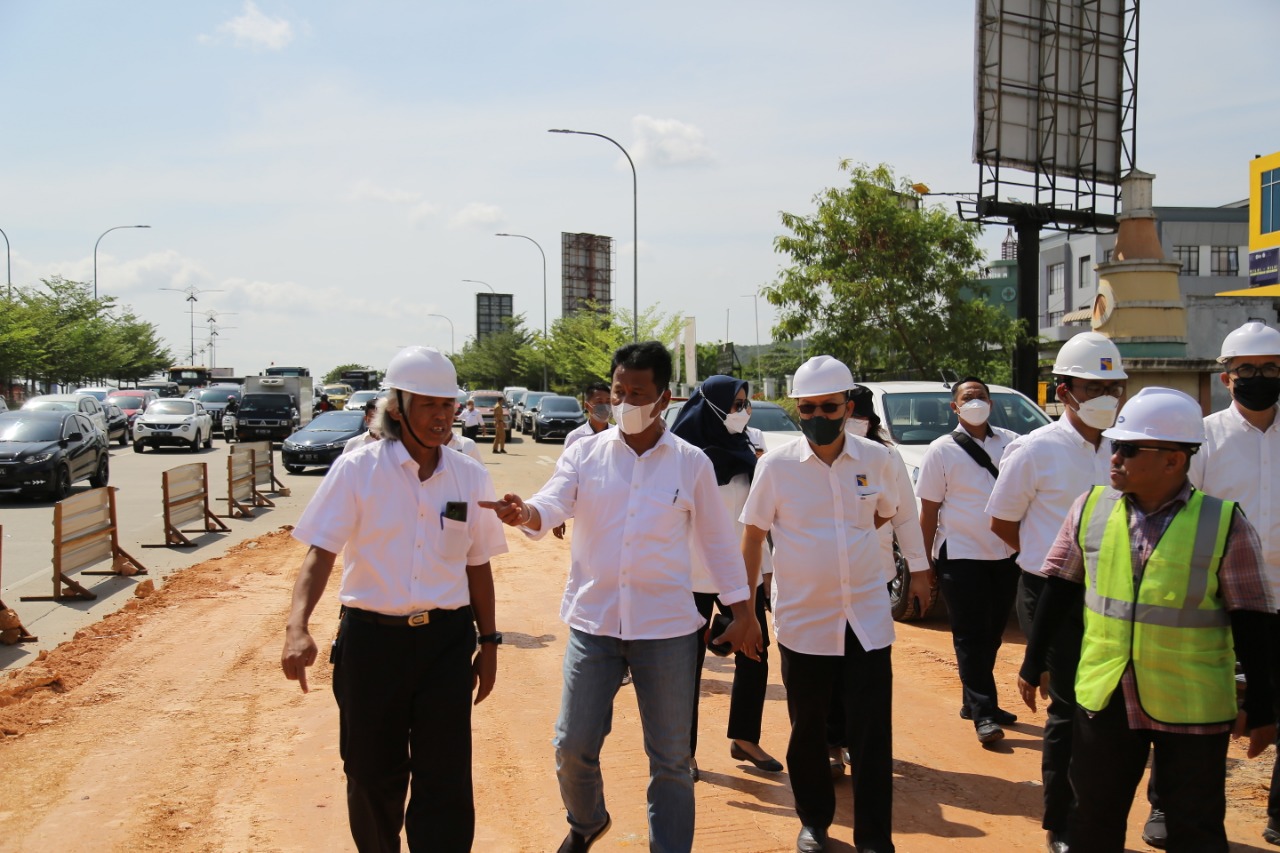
<point x="400" y="554"/>
<point x="462" y="444"/>
<point x="1041" y="475"/>
<point x="827" y="563"/>
<point x="949" y="476"/>
<point x="578" y="433"/>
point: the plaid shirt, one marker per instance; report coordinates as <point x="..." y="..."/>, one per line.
<point x="1242" y="581"/>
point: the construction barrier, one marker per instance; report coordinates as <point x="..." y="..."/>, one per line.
<point x="186" y="500"/>
<point x="84" y="533"/>
<point x="11" y="628"/>
<point x="264" y="470"/>
<point x="242" y="495"/>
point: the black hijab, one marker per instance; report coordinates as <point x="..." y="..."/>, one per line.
<point x="702" y="426"/>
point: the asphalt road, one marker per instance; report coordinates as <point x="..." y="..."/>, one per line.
<point x="26" y="552"/>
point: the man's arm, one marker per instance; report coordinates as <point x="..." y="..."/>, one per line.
<point x="1008" y="531"/>
<point x="753" y="539"/>
<point x="929" y="525"/>
<point x="484" y="669"/>
<point x="299" y="648"/>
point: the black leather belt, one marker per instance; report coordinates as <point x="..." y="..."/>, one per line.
<point x="413" y="620"/>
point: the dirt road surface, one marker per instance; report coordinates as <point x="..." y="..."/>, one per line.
<point x="169" y="727"/>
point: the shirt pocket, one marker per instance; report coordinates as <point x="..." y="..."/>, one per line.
<point x="864" y="516"/>
<point x="455" y="540"/>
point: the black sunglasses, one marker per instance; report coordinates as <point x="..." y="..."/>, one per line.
<point x="827" y="408"/>
<point x="1127" y="451"/>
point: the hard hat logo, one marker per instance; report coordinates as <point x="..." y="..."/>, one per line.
<point x="1104" y="364"/>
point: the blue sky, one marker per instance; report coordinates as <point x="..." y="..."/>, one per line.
<point x="329" y="172"/>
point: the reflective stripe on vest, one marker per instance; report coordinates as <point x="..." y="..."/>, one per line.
<point x="1173" y="628"/>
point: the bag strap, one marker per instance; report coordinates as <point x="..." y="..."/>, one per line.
<point x="975" y="451"/>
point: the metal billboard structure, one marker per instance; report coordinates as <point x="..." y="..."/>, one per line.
<point x="586" y="272"/>
<point x="493" y="313"/>
<point x="1055" y="129"/>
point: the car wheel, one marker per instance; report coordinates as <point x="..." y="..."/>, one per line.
<point x="536" y="437"/>
<point x="195" y="444"/>
<point x="124" y="438"/>
<point x="102" y="475"/>
<point x="903" y="607"/>
<point x="208" y="440"/>
<point x="138" y="447"/>
<point x="293" y="469"/>
<point x="62" y="483"/>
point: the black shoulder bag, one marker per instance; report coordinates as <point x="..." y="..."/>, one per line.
<point x="975" y="451"/>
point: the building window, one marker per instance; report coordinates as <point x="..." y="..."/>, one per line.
<point x="1226" y="261"/>
<point x="1055" y="318"/>
<point x="1270" y="201"/>
<point x="1085" y="277"/>
<point x="1055" y="275"/>
<point x="1189" y="257"/>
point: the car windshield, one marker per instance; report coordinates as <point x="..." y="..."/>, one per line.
<point x="30" y="429"/>
<point x="487" y="401"/>
<point x="172" y="407"/>
<point x="219" y="396"/>
<point x="341" y="421"/>
<point x="53" y="405"/>
<point x="336" y="389"/>
<point x="261" y="402"/>
<point x="125" y="401"/>
<point x="361" y="397"/>
<point x="920" y="417"/>
<point x="771" y="419"/>
<point x="561" y="406"/>
<point x="97" y="395"/>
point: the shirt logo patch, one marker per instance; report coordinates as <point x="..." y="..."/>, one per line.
<point x="862" y="479"/>
<point x="1104" y="363"/>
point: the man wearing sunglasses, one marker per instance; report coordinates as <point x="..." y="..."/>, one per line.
<point x="822" y="499"/>
<point x="1173" y="590"/>
<point x="1240" y="461"/>
<point x="1041" y="474"/>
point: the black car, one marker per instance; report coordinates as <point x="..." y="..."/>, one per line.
<point x="117" y="424"/>
<point x="44" y="452"/>
<point x="556" y="417"/>
<point x="321" y="441"/>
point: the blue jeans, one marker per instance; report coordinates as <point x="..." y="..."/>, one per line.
<point x="662" y="674"/>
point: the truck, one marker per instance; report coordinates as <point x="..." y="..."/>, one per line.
<point x="221" y="374"/>
<point x="360" y="380"/>
<point x="273" y="407"/>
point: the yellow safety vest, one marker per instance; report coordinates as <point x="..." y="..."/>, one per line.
<point x="1173" y="628"/>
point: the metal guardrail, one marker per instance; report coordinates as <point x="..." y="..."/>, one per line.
<point x="85" y="533"/>
<point x="186" y="501"/>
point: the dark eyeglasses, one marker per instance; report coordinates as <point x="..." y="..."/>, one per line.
<point x="827" y="408"/>
<point x="740" y="405"/>
<point x="1093" y="390"/>
<point x="1127" y="451"/>
<point x="1270" y="370"/>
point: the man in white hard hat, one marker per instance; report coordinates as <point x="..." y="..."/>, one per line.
<point x="1041" y="474"/>
<point x="977" y="574"/>
<point x="641" y="498"/>
<point x="416" y="589"/>
<point x="1240" y="461"/>
<point x="1172" y="587"/>
<point x="822" y="499"/>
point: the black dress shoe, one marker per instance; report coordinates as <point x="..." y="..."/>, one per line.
<point x="989" y="731"/>
<point x="1057" y="842"/>
<point x="811" y="840"/>
<point x="1001" y="716"/>
<point x="1271" y="834"/>
<point x="771" y="765"/>
<point x="575" y="843"/>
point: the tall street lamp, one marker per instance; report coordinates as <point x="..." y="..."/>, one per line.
<point x="442" y="317"/>
<point x="755" y="298"/>
<point x="191" y="297"/>
<point x="635" y="233"/>
<point x="95" y="255"/>
<point x="212" y="316"/>
<point x="477" y="281"/>
<point x="7" y="268"/>
<point x="545" y="385"/>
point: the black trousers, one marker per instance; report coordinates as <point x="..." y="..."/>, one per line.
<point x="404" y="711"/>
<point x="1190" y="773"/>
<point x="865" y="679"/>
<point x="750" y="678"/>
<point x="471" y="432"/>
<point x="979" y="595"/>
<point x="1064" y="655"/>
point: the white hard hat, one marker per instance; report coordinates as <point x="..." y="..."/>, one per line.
<point x="1159" y="414"/>
<point x="819" y="376"/>
<point x="423" y="370"/>
<point x="1089" y="355"/>
<point x="1250" y="339"/>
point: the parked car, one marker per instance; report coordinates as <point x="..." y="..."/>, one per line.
<point x="484" y="401"/>
<point x="322" y="440"/>
<point x="162" y="389"/>
<point x="524" y="418"/>
<point x="361" y="398"/>
<point x="117" y="424"/>
<point x="338" y="393"/>
<point x="99" y="392"/>
<point x="214" y="400"/>
<point x="132" y="402"/>
<point x="4" y="405"/>
<point x="511" y="395"/>
<point x="181" y="423"/>
<point x="44" y="451"/>
<point x="85" y="404"/>
<point x="556" y="417"/>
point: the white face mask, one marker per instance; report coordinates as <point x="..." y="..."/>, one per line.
<point x="634" y="420"/>
<point x="975" y="412"/>
<point x="857" y="426"/>
<point x="736" y="422"/>
<point x="1100" y="412"/>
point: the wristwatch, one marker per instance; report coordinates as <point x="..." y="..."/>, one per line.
<point x="495" y="638"/>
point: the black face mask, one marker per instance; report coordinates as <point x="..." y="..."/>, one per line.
<point x="1257" y="394"/>
<point x="821" y="430"/>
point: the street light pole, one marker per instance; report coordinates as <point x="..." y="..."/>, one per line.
<point x="191" y="297"/>
<point x="7" y="268"/>
<point x="635" y="231"/>
<point x="451" y="340"/>
<point x="755" y="298"/>
<point x="95" y="255"/>
<point x="545" y="385"/>
<point x="485" y="283"/>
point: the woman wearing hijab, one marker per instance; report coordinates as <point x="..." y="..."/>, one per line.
<point x="714" y="420"/>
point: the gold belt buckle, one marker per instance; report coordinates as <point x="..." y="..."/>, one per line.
<point x="418" y="619"/>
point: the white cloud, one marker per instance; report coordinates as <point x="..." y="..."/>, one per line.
<point x="477" y="214"/>
<point x="667" y="142"/>
<point x="420" y="213"/>
<point x="252" y="28"/>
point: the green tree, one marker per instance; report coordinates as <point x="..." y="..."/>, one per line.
<point x="335" y="375"/>
<point x="877" y="281"/>
<point x="502" y="358"/>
